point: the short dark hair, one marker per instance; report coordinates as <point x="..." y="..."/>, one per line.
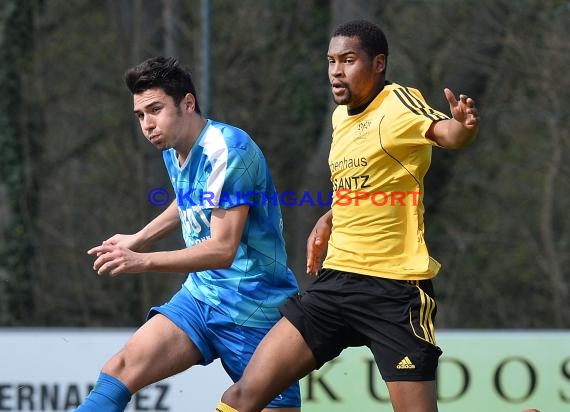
<point x="372" y="38"/>
<point x="162" y="73"/>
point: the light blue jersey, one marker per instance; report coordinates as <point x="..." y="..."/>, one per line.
<point x="226" y="169"/>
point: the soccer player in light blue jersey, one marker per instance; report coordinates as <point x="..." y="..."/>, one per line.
<point x="226" y="205"/>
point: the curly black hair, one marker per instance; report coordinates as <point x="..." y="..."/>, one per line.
<point x="371" y="36"/>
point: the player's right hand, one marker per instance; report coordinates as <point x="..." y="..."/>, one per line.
<point x="317" y="245"/>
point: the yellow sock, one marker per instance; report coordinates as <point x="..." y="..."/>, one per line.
<point x="222" y="407"/>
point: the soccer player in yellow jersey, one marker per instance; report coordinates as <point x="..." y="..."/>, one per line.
<point x="375" y="285"/>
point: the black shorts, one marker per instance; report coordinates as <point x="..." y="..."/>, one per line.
<point x="394" y="318"/>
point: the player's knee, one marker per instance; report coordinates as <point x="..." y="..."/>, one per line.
<point x="232" y="395"/>
<point x="238" y="397"/>
<point x="116" y="365"/>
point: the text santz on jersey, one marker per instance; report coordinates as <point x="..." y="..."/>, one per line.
<point x="351" y="182"/>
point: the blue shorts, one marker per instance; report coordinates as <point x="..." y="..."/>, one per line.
<point x="217" y="336"/>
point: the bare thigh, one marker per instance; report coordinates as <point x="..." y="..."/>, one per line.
<point x="157" y="350"/>
<point x="413" y="396"/>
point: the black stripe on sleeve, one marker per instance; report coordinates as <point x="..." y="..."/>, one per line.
<point x="428" y="111"/>
<point x="416" y="106"/>
<point x="400" y="95"/>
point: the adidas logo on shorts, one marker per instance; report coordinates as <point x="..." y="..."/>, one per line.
<point x="405" y="363"/>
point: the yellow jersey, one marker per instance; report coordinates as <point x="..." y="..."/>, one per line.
<point x="378" y="160"/>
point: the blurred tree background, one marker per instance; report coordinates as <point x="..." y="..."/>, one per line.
<point x="75" y="169"/>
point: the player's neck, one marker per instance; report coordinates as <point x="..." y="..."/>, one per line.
<point x="184" y="149"/>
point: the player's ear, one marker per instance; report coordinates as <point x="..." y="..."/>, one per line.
<point x="379" y="63"/>
<point x="189" y="102"/>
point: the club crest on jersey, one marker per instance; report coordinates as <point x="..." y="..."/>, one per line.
<point x="361" y="129"/>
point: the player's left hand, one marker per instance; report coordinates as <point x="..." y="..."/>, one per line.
<point x="114" y="259"/>
<point x="463" y="110"/>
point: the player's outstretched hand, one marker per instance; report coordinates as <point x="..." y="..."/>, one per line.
<point x="463" y="110"/>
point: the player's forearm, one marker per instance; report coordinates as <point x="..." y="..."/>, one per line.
<point x="327" y="218"/>
<point x="161" y="226"/>
<point x="206" y="255"/>
<point x="451" y="134"/>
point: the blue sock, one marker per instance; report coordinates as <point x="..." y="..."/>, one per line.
<point x="108" y="395"/>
